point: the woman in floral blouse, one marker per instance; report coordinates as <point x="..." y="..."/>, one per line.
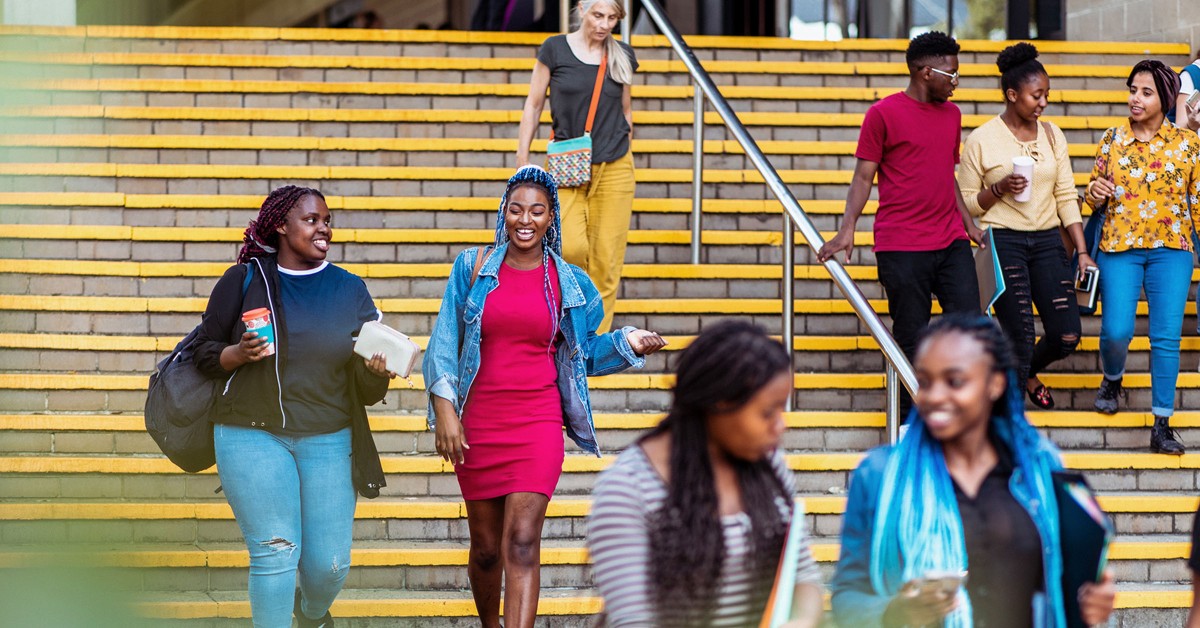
<point x="1146" y="180"/>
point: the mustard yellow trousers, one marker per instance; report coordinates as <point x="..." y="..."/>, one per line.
<point x="595" y="227"/>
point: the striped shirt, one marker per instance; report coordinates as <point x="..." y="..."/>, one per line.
<point x="626" y="496"/>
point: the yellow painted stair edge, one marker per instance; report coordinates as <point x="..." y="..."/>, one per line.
<point x="406" y="509"/>
<point x="574" y="463"/>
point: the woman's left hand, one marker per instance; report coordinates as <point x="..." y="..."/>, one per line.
<point x="1096" y="599"/>
<point x="645" y="342"/>
<point x="1086" y="261"/>
<point x="378" y="365"/>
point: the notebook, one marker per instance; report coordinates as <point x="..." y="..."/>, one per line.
<point x="779" y="604"/>
<point x="989" y="273"/>
<point x="1085" y="534"/>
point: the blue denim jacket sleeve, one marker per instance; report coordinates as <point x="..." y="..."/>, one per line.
<point x="606" y="353"/>
<point x="855" y="602"/>
<point x="440" y="364"/>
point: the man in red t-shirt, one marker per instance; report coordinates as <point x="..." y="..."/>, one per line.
<point x="911" y="140"/>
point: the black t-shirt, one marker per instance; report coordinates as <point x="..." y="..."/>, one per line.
<point x="1004" y="551"/>
<point x="571" y="84"/>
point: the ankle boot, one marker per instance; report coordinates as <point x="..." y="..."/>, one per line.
<point x="1163" y="439"/>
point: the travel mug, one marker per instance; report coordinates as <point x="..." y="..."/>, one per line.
<point x="259" y="321"/>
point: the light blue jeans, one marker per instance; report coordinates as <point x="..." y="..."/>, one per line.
<point x="294" y="502"/>
<point x="1165" y="275"/>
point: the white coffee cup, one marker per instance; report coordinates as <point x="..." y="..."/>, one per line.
<point x="1023" y="166"/>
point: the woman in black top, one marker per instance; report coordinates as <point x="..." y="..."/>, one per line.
<point x="291" y="411"/>
<point x="595" y="215"/>
<point x="968" y="489"/>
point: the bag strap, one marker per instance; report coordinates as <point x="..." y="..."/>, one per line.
<point x="481" y="256"/>
<point x="1049" y="134"/>
<point x="587" y="129"/>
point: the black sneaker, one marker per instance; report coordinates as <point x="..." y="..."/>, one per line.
<point x="1163" y="439"/>
<point x="1106" y="397"/>
<point x="304" y="622"/>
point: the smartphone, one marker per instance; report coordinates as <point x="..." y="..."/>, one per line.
<point x="947" y="582"/>
<point x="1193" y="99"/>
<point x="1086" y="279"/>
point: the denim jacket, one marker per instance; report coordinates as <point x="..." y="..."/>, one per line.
<point x="854" y="600"/>
<point x="450" y="371"/>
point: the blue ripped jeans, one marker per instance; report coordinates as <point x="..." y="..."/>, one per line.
<point x="294" y="502"/>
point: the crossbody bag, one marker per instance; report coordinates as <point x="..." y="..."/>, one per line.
<point x="570" y="161"/>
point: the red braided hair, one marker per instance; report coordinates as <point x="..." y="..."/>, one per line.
<point x="260" y="238"/>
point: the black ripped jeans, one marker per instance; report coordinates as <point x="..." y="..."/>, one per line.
<point x="1037" y="272"/>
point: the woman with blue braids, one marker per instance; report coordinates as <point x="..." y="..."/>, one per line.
<point x="968" y="489"/>
<point x="506" y="369"/>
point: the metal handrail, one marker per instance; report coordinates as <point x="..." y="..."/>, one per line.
<point x="898" y="368"/>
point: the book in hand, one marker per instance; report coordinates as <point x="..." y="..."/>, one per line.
<point x="779" y="604"/>
<point x="400" y="350"/>
<point x="1085" y="532"/>
<point x="988" y="272"/>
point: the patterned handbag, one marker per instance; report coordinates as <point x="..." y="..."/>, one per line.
<point x="570" y="161"/>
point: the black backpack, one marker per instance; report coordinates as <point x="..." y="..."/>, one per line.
<point x="179" y="404"/>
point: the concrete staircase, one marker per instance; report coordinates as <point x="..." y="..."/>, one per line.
<point x="131" y="158"/>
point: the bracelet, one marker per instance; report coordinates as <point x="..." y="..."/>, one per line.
<point x="995" y="192"/>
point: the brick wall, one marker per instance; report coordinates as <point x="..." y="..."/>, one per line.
<point x="1134" y="20"/>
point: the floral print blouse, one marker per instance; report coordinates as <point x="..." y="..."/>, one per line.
<point x="1157" y="183"/>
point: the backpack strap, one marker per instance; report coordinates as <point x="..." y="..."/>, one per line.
<point x="246" y="282"/>
<point x="481" y="256"/>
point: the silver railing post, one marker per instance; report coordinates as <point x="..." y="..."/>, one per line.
<point x="892" y="390"/>
<point x="780" y="190"/>
<point x="626" y="29"/>
<point x="564" y="16"/>
<point x="697" y="169"/>
<point x="789" y="299"/>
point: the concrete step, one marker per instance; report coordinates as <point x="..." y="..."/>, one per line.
<point x="451" y="153"/>
<point x="74" y="434"/>
<point x="450" y="123"/>
<point x="415" y="95"/>
<point x="441" y="566"/>
<point x="424" y="475"/>
<point x="206" y="517"/>
<point x="399" y="43"/>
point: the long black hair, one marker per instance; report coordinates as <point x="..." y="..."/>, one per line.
<point x="722" y="369"/>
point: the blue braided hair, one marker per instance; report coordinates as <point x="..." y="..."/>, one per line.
<point x="535" y="177"/>
<point x="917" y="525"/>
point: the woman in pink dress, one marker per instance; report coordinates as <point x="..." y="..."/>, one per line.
<point x="506" y="369"/>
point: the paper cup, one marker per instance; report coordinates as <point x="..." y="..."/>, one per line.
<point x="1023" y="166"/>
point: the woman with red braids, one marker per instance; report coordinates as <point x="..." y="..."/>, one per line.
<point x="291" y="411"/>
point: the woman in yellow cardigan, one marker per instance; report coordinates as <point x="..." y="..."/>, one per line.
<point x="1028" y="243"/>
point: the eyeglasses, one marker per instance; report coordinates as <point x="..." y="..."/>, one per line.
<point x="952" y="77"/>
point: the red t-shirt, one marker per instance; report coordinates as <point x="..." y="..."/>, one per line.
<point x="916" y="147"/>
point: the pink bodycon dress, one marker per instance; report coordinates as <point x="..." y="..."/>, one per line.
<point x="512" y="420"/>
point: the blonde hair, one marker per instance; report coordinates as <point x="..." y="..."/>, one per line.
<point x="619" y="66"/>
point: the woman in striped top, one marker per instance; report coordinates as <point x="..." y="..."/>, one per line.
<point x="688" y="525"/>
